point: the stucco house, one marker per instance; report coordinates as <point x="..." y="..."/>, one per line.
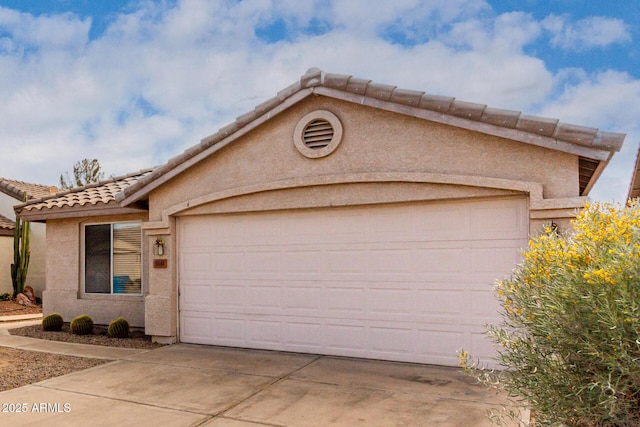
<point x="340" y="217"/>
<point x="12" y="193"/>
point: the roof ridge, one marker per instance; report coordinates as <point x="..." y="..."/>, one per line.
<point x="512" y="119"/>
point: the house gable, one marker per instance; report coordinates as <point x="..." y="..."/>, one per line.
<point x="380" y="152"/>
<point x="594" y="148"/>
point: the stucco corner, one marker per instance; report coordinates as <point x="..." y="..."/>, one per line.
<point x="160" y="315"/>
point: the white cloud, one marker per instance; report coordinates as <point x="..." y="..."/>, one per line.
<point x="61" y="31"/>
<point x="157" y="80"/>
<point x="595" y="31"/>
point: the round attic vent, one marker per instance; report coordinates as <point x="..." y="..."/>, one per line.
<point x="318" y="134"/>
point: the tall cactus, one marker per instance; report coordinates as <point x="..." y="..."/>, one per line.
<point x="21" y="254"/>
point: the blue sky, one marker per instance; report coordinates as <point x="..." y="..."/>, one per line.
<point x="134" y="83"/>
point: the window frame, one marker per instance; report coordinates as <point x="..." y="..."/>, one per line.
<point x="83" y="261"/>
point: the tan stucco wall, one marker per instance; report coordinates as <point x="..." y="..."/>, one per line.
<point x="6" y="254"/>
<point x="162" y="297"/>
<point x="341" y="195"/>
<point x="36" y="275"/>
<point x="64" y="292"/>
<point x="374" y="141"/>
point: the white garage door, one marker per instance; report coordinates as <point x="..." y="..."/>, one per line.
<point x="410" y="282"/>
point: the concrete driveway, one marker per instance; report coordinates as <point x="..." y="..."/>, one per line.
<point x="190" y="385"/>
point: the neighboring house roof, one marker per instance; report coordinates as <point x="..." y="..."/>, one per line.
<point x="17" y="189"/>
<point x="6" y="226"/>
<point x="594" y="147"/>
<point x="634" y="187"/>
<point x="97" y="197"/>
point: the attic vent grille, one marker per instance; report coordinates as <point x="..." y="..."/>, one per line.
<point x="318" y="134"/>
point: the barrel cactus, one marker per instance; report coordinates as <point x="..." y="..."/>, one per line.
<point x="81" y="325"/>
<point x="52" y="322"/>
<point x="118" y="328"/>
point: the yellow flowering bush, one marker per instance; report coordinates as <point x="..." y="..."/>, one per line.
<point x="570" y="337"/>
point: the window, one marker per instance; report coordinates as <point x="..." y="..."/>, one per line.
<point x="113" y="258"/>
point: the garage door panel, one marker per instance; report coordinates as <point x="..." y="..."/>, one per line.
<point x="301" y="300"/>
<point x="228" y="331"/>
<point x="450" y="302"/>
<point x="392" y="225"/>
<point x="439" y="346"/>
<point x="197" y="232"/>
<point x="390" y="342"/>
<point x="197" y="296"/>
<point x="346" y="228"/>
<point x="262" y="261"/>
<point x="265" y="296"/>
<point x="390" y="301"/>
<point x="443" y="222"/>
<point x="344" y="301"/>
<point x="500" y="220"/>
<point x="348" y="338"/>
<point x="197" y="327"/>
<point x="304" y="261"/>
<point x="406" y="282"/>
<point x="442" y="260"/>
<point x="224" y="263"/>
<point x="390" y="263"/>
<point x="229" y="295"/>
<point x="306" y="336"/>
<point x="268" y="230"/>
<point x="196" y="264"/>
<point x="265" y="332"/>
<point x="344" y="263"/>
<point x="494" y="258"/>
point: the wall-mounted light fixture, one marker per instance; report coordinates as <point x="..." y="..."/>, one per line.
<point x="158" y="247"/>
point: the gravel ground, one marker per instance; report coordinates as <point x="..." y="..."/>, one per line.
<point x="11" y="308"/>
<point x="137" y="339"/>
<point x="22" y="367"/>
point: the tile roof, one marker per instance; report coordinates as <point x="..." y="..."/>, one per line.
<point x="17" y="189"/>
<point x="102" y="192"/>
<point x="6" y="226"/>
<point x="587" y="142"/>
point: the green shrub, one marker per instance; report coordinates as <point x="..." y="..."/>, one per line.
<point x="81" y="325"/>
<point x="570" y="337"/>
<point x="119" y="328"/>
<point x="52" y="322"/>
